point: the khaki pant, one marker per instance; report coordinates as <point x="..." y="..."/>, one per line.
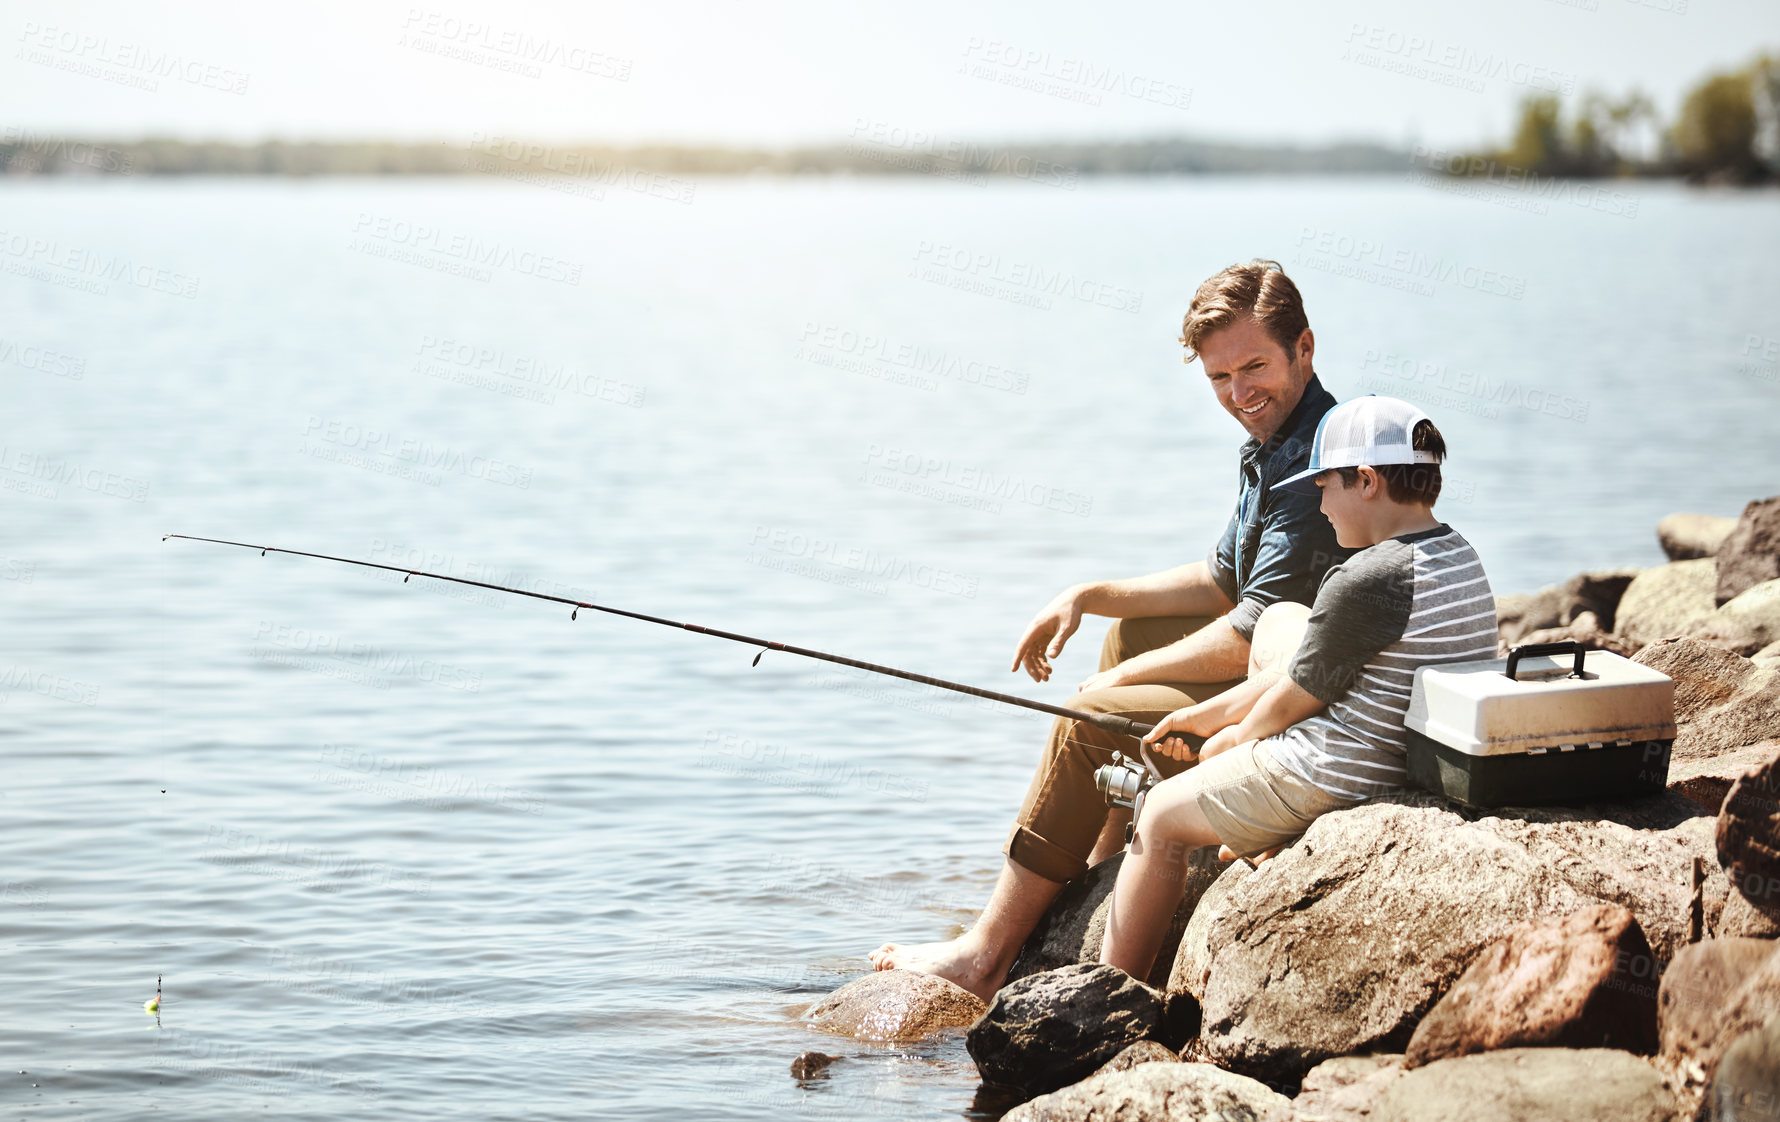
<point x="1063" y="813"/>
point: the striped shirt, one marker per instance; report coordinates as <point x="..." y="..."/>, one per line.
<point x="1406" y="602"/>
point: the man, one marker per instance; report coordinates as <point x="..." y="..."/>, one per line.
<point x="1179" y="636"/>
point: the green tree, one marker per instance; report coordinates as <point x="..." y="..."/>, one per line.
<point x="1714" y="136"/>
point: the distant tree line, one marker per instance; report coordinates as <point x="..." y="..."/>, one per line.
<point x="1727" y="131"/>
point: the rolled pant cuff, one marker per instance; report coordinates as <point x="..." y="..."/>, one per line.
<point x="1031" y="852"/>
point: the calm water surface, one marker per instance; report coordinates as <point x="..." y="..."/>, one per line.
<point x="423" y="851"/>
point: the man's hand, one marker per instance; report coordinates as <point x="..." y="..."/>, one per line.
<point x="1106" y="679"/>
<point x="1047" y="633"/>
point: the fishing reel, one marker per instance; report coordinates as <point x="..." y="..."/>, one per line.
<point x="1126" y="781"/>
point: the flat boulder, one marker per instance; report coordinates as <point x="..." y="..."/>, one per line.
<point x="1143" y="1052"/>
<point x="1750" y="553"/>
<point x="1663" y="602"/>
<point x="1685" y="537"/>
<point x="1707" y="781"/>
<point x="1073" y="927"/>
<point x="1571" y="982"/>
<point x="888" y="1005"/>
<point x="1530" y="1085"/>
<point x="1748" y="836"/>
<point x="1048" y="1030"/>
<point x="1713" y="993"/>
<point x="1156" y="1093"/>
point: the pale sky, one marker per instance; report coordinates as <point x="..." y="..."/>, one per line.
<point x="789" y="71"/>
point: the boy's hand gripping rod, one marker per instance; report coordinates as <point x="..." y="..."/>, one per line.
<point x="1111" y="722"/>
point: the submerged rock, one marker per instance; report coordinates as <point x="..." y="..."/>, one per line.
<point x="1073" y="927"/>
<point x="1049" y="1030"/>
<point x="811" y="1064"/>
<point x="1685" y="537"/>
<point x="1156" y="1093"/>
<point x="1750" y="553"/>
<point x="1574" y="982"/>
<point x="1530" y="1085"/>
<point x="895" y="1005"/>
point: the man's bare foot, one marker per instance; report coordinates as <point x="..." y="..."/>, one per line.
<point x="959" y="961"/>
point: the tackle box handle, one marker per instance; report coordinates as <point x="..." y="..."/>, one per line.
<point x="1564" y="646"/>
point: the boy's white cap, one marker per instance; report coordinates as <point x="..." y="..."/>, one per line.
<point x="1368" y="431"/>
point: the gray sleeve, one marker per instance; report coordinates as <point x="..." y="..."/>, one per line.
<point x="1244" y="616"/>
<point x="1362" y="607"/>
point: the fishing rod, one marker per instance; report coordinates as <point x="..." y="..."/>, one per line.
<point x="1111" y="722"/>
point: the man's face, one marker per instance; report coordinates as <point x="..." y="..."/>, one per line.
<point x="1255" y="380"/>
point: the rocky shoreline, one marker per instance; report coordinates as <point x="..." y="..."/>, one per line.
<point x="1416" y="958"/>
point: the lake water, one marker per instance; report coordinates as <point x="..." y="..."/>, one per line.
<point x="424" y="851"/>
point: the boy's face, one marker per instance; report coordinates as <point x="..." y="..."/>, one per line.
<point x="1346" y="508"/>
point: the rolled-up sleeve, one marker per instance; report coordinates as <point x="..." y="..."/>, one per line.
<point x="1222" y="560"/>
<point x="1297" y="545"/>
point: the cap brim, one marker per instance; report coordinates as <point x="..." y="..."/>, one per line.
<point x="1304" y="483"/>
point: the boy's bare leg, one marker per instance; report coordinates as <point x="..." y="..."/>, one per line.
<point x="1149" y="885"/>
<point x="979" y="959"/>
<point x="1112" y="835"/>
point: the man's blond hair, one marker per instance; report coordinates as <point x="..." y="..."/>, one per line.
<point x="1259" y="290"/>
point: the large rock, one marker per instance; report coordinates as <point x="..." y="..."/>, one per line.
<point x="1664" y="601"/>
<point x="1713" y="993"/>
<point x="1051" y="1029"/>
<point x="1687" y="536"/>
<point x="1560" y="605"/>
<point x="1746" y="625"/>
<point x="1192" y="962"/>
<point x="1156" y="1093"/>
<point x="1344" y="940"/>
<point x="1747" y="1083"/>
<point x="1750" y="554"/>
<point x="1569" y="983"/>
<point x="1748" y="836"/>
<point x="1530" y="1085"/>
<point x="895" y="1005"/>
<point x="1584" y="629"/>
<point x="1722" y="701"/>
<point x="1073" y="927"/>
<point x="1344" y="1089"/>
<point x="1143" y="1052"/>
<point x="1707" y="781"/>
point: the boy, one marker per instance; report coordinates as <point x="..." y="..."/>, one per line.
<point x="1319" y="724"/>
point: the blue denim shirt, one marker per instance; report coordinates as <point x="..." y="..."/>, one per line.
<point x="1278" y="545"/>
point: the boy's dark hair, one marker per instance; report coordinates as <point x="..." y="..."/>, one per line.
<point x="1409" y="483"/>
